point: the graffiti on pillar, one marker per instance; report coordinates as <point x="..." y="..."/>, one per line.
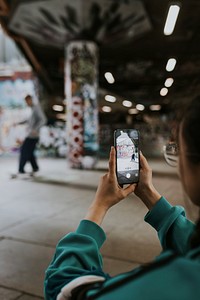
<point x="82" y="116"/>
<point x="75" y="134"/>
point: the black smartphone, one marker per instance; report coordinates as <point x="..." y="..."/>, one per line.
<point x="126" y="143"/>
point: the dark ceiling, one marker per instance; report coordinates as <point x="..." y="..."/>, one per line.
<point x="130" y="38"/>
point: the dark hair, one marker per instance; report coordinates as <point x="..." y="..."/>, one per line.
<point x="195" y="237"/>
<point x="190" y="125"/>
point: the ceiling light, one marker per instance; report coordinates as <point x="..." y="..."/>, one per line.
<point x="57" y="107"/>
<point x="169" y="82"/>
<point x="140" y="107"/>
<point x="109" y="77"/>
<point x="163" y="91"/>
<point x="155" y="107"/>
<point x="133" y="111"/>
<point x="110" y="98"/>
<point x="171" y="64"/>
<point x="106" y="108"/>
<point x="127" y="103"/>
<point x="171" y="19"/>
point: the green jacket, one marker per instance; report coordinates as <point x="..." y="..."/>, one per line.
<point x="174" y="275"/>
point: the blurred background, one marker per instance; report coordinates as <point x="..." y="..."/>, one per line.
<point x="94" y="66"/>
<point x="148" y="64"/>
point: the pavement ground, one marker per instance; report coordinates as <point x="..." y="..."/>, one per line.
<point x="35" y="213"/>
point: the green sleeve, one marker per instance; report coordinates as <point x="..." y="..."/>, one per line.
<point x="76" y="254"/>
<point x="174" y="229"/>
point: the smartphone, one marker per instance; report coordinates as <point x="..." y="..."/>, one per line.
<point x="126" y="143"/>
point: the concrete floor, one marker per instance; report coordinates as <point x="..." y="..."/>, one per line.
<point x="36" y="213"/>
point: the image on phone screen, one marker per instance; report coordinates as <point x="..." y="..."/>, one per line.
<point x="127" y="155"/>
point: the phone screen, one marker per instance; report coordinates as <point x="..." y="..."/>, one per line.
<point x="127" y="155"/>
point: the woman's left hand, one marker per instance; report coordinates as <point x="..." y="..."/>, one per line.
<point x="108" y="192"/>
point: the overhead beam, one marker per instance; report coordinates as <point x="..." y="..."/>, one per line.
<point x="25" y="47"/>
<point x="35" y="63"/>
<point x="30" y="54"/>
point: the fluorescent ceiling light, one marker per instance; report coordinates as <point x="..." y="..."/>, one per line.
<point x="140" y="107"/>
<point x="171" y="64"/>
<point x="163" y="92"/>
<point x="155" y="107"/>
<point x="109" y="77"/>
<point x="169" y="82"/>
<point x="133" y="111"/>
<point x="171" y="19"/>
<point x="110" y="98"/>
<point x="127" y="103"/>
<point x="106" y="108"/>
<point x="57" y="107"/>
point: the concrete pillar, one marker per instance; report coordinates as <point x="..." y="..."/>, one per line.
<point x="81" y="77"/>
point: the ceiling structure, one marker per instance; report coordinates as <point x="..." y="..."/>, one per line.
<point x="131" y="43"/>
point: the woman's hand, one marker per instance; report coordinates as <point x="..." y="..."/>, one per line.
<point x="108" y="192"/>
<point x="145" y="189"/>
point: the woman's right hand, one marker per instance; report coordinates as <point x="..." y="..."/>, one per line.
<point x="145" y="189"/>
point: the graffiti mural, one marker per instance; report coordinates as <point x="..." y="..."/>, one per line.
<point x="12" y="92"/>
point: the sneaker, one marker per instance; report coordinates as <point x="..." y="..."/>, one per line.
<point x="34" y="172"/>
<point x="20" y="176"/>
<point x="13" y="176"/>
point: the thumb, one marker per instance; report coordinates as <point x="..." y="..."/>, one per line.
<point x="130" y="189"/>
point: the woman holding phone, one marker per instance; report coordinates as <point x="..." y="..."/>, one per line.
<point x="76" y="269"/>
